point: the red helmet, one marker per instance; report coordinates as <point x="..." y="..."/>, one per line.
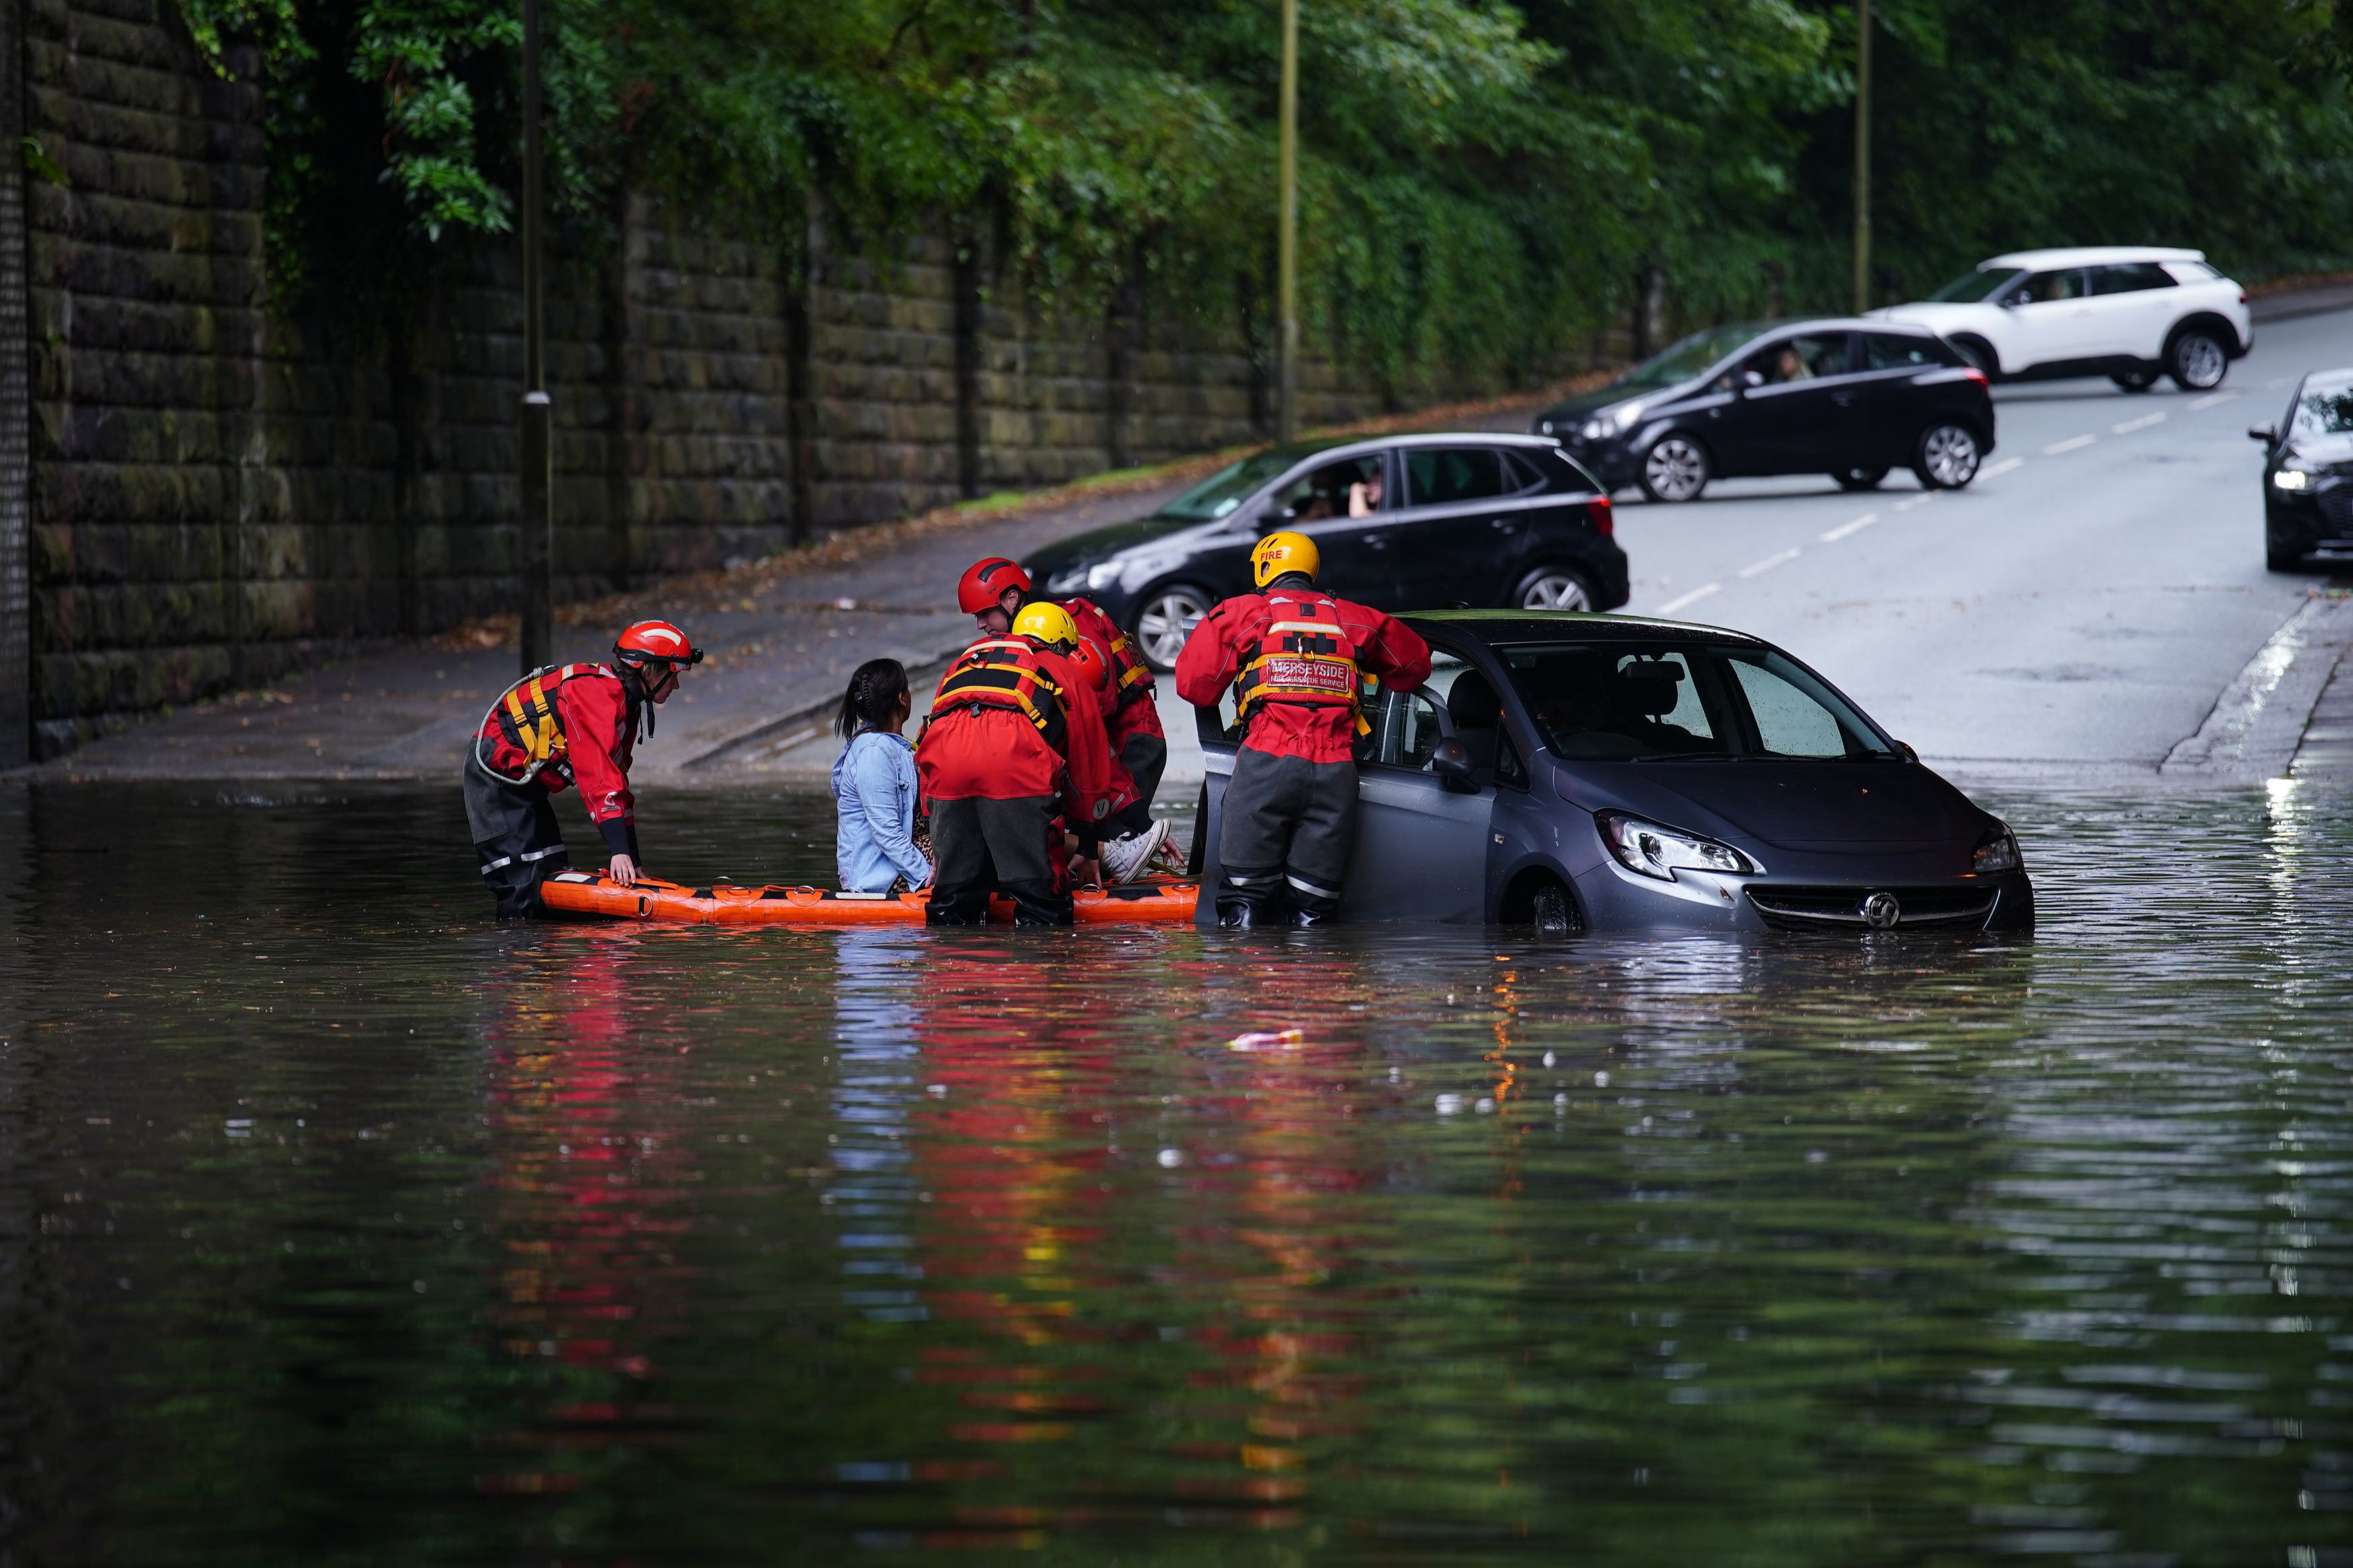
<point x="983" y="585"/>
<point x="655" y="642"/>
<point x="1089" y="663"/>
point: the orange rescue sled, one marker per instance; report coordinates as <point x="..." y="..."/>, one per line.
<point x="594" y="893"/>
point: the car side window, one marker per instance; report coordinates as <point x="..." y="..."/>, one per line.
<point x="1789" y="723"/>
<point x="1887" y="350"/>
<point x="1325" y="491"/>
<point x="1520" y="475"/>
<point x="1509" y="768"/>
<point x="2130" y="278"/>
<point x="1412" y="735"/>
<point x="2044" y="287"/>
<point x="1436" y="476"/>
<point x="1803" y="357"/>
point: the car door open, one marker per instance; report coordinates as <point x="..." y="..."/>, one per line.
<point x="1421" y="842"/>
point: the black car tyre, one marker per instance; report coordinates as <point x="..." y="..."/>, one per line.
<point x="2283" y="561"/>
<point x="2139" y="379"/>
<point x="2197" y="360"/>
<point x="1554" y="588"/>
<point x="1674" y="469"/>
<point x="1948" y="456"/>
<point x="1860" y="478"/>
<point x="1170" y="613"/>
<point x="1553" y="912"/>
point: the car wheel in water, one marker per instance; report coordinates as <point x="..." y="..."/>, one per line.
<point x="1948" y="457"/>
<point x="1167" y="618"/>
<point x="1860" y="478"/>
<point x="1674" y="469"/>
<point x="2198" y="360"/>
<point x="2137" y="380"/>
<point x="1553" y="912"/>
<point x="1553" y="588"/>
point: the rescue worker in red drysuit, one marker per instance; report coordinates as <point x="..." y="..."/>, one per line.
<point x="991" y="592"/>
<point x="1296" y="658"/>
<point x="1013" y="745"/>
<point x="566" y="724"/>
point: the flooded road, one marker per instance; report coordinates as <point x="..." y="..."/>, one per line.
<point x="338" y="1224"/>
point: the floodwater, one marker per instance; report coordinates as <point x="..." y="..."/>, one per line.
<point x="341" y="1225"/>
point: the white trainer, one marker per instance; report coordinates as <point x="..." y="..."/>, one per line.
<point x="1125" y="859"/>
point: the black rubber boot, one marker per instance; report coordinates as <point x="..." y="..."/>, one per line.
<point x="1037" y="904"/>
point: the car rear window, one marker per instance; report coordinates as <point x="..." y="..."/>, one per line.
<point x="1645" y="702"/>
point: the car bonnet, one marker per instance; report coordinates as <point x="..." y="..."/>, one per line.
<point x="1809" y="806"/>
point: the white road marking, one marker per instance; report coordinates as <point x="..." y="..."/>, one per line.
<point x="1693" y="597"/>
<point x="2073" y="444"/>
<point x="1921" y="500"/>
<point x="2210" y="399"/>
<point x="2007" y="465"/>
<point x="1845" y="529"/>
<point x="2143" y="423"/>
<point x="1758" y="568"/>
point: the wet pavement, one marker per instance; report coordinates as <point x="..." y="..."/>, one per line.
<point x="338" y="1224"/>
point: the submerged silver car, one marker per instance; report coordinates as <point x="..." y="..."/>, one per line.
<point x="1581" y="772"/>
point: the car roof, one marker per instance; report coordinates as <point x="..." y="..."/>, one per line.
<point x="1503" y="627"/>
<point x="2090" y="255"/>
<point x="2326" y="378"/>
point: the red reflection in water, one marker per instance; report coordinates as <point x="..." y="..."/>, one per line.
<point x="1041" y="1238"/>
<point x="591" y="1172"/>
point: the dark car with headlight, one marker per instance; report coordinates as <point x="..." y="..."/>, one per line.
<point x="2309" y="475"/>
<point x="1581" y="772"/>
<point x="1852" y="399"/>
<point x="1472" y="518"/>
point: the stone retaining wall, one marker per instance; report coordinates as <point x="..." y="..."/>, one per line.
<point x="220" y="496"/>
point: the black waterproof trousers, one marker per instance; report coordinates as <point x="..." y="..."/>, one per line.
<point x="984" y="846"/>
<point x="1288" y="828"/>
<point x="1145" y="758"/>
<point x="515" y="838"/>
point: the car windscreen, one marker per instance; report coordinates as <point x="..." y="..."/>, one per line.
<point x="1687" y="359"/>
<point x="2324" y="410"/>
<point x="1685" y="700"/>
<point x="1970" y="287"/>
<point x="1230" y="487"/>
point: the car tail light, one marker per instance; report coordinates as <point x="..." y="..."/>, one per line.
<point x="1597" y="512"/>
<point x="2242" y="295"/>
<point x="1974" y="374"/>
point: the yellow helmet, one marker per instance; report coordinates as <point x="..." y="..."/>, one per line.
<point x="1280" y="553"/>
<point x="1048" y="623"/>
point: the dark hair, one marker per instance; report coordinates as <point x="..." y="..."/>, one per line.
<point x="873" y="696"/>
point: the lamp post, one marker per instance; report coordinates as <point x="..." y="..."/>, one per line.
<point x="1862" y="157"/>
<point x="1286" y="245"/>
<point x="537" y="635"/>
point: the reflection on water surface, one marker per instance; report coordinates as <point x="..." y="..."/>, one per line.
<point x="340" y="1224"/>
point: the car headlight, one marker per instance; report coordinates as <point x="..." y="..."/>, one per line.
<point x="1612" y="421"/>
<point x="1998" y="853"/>
<point x="1103" y="575"/>
<point x="2292" y="478"/>
<point x="1655" y="851"/>
<point x="1069" y="579"/>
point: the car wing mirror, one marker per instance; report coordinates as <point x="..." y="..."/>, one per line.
<point x="2262" y="433"/>
<point x="1903" y="748"/>
<point x="1452" y="761"/>
<point x="1752" y="378"/>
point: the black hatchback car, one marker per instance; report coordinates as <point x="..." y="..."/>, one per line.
<point x="1852" y="399"/>
<point x="1400" y="521"/>
<point x="2309" y="475"/>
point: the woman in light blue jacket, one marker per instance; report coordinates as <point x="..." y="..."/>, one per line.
<point x="874" y="785"/>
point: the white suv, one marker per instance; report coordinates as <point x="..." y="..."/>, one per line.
<point x="2130" y="314"/>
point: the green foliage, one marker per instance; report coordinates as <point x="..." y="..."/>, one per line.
<point x="1481" y="185"/>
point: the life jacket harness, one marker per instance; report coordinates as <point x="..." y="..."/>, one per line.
<point x="1303" y="661"/>
<point x="1132" y="675"/>
<point x="1005" y="672"/>
<point x="525" y="714"/>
